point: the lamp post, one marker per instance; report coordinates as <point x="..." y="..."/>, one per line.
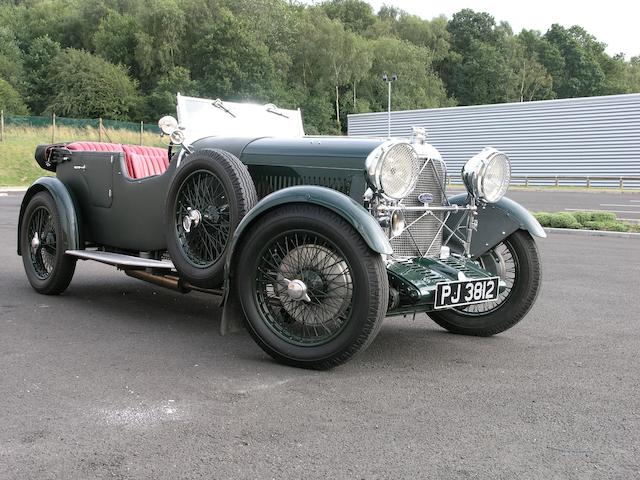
<point x="388" y="80"/>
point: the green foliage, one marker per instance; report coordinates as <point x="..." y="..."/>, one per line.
<point x="583" y="217"/>
<point x="10" y="100"/>
<point x="355" y="15"/>
<point x="96" y="87"/>
<point x="585" y="220"/>
<point x="325" y="58"/>
<point x="41" y="52"/>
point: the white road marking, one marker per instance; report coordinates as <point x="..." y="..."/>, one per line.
<point x="618" y="205"/>
<point x="635" y="201"/>
<point x="596" y="210"/>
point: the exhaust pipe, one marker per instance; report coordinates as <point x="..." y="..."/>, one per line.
<point x="170" y="282"/>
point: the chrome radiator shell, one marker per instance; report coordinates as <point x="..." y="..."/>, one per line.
<point x="423" y="235"/>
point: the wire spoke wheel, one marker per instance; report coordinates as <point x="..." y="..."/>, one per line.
<point x="43" y="245"/>
<point x="502" y="262"/>
<point x="304" y="286"/>
<point x="517" y="262"/>
<point x="206" y="200"/>
<point x="312" y="291"/>
<point x="42" y="239"/>
<point x="202" y="218"/>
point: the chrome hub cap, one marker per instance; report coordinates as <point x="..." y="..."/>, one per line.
<point x="327" y="282"/>
<point x="191" y="219"/>
<point x="297" y="290"/>
<point x="35" y="243"/>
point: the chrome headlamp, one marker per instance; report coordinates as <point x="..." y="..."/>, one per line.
<point x="393" y="169"/>
<point x="487" y="175"/>
<point x="168" y="124"/>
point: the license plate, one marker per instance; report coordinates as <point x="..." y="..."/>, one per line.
<point x="466" y="292"/>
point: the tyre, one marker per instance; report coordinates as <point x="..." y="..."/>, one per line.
<point x="313" y="293"/>
<point x="206" y="200"/>
<point x="48" y="269"/>
<point x="516" y="261"/>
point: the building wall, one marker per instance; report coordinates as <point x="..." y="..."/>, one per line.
<point x="596" y="136"/>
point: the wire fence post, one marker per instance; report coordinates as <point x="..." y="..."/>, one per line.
<point x="100" y="129"/>
<point x="53" y="128"/>
<point x="1" y="125"/>
<point x="141" y="131"/>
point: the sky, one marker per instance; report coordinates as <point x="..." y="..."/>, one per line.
<point x="614" y="22"/>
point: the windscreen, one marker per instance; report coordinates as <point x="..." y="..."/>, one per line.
<point x="202" y="117"/>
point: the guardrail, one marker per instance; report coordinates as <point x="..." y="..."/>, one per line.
<point x="620" y="182"/>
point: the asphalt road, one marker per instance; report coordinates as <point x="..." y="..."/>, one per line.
<point x="119" y="379"/>
<point x="626" y="204"/>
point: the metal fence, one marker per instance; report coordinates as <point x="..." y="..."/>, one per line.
<point x="53" y="122"/>
<point x="591" y="137"/>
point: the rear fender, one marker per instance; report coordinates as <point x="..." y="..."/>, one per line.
<point x="346" y="207"/>
<point x="496" y="221"/>
<point x="67" y="210"/>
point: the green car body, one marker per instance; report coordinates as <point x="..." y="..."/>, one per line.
<point x="390" y="192"/>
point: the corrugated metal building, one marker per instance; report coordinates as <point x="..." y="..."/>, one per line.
<point x="593" y="136"/>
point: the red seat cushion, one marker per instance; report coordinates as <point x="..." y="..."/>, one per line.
<point x="140" y="161"/>
<point x="94" y="147"/>
<point x="145" y="161"/>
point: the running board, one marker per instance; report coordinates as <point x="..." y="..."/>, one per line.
<point x="119" y="260"/>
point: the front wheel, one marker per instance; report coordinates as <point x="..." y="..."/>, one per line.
<point x="516" y="261"/>
<point x="313" y="293"/>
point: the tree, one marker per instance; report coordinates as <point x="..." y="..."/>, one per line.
<point x="468" y="28"/>
<point x="42" y="51"/>
<point x="528" y="79"/>
<point x="162" y="99"/>
<point x="476" y="70"/>
<point x="10" y="100"/>
<point x="582" y="74"/>
<point x="632" y="75"/>
<point x="355" y="15"/>
<point x="418" y="86"/>
<point x="10" y="57"/>
<point x="84" y="85"/>
<point x="229" y="62"/>
<point x="430" y="34"/>
<point x="115" y="40"/>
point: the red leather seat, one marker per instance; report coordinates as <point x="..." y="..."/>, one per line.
<point x="94" y="147"/>
<point x="140" y="161"/>
<point x="145" y="161"/>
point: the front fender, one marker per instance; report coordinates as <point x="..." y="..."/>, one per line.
<point x="345" y="206"/>
<point x="338" y="202"/>
<point x="496" y="221"/>
<point x="67" y="211"/>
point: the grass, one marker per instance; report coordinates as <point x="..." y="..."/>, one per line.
<point x="19" y="168"/>
<point x="606" y="221"/>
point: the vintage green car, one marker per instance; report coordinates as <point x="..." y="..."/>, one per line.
<point x="309" y="241"/>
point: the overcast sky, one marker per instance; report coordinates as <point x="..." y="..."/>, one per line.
<point x="614" y="22"/>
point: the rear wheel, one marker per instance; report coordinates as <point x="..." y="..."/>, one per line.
<point x="516" y="261"/>
<point x="206" y="200"/>
<point x="48" y="269"/>
<point x="313" y="292"/>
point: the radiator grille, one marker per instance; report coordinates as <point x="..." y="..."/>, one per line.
<point x="415" y="240"/>
<point x="270" y="183"/>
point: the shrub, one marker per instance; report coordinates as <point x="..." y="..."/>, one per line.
<point x="563" y="220"/>
<point x="583" y="217"/>
<point x="543" y="217"/>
